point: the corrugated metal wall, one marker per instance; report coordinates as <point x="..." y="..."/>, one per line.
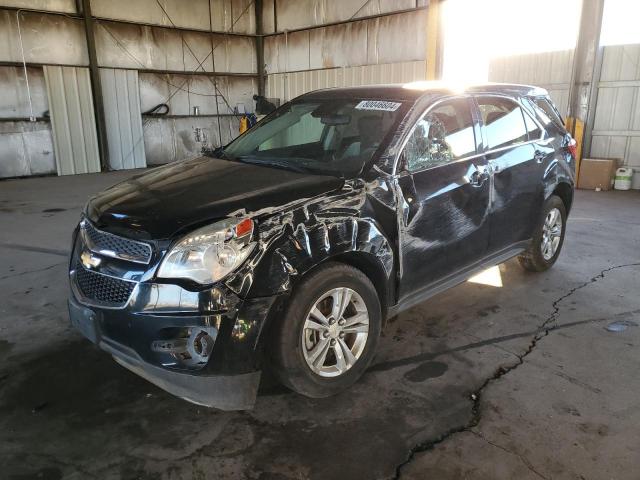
<point x="391" y="39"/>
<point x="174" y="138"/>
<point x="123" y="118"/>
<point x="180" y="134"/>
<point x="175" y="64"/>
<point x="549" y="70"/>
<point x="282" y="15"/>
<point x="616" y="129"/>
<point x="319" y="54"/>
<point x="72" y="119"/>
<point x="226" y="15"/>
<point x="289" y="85"/>
<point x="26" y="148"/>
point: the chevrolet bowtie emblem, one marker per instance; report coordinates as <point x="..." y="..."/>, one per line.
<point x="88" y="260"/>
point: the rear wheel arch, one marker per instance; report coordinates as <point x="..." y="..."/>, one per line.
<point x="565" y="192"/>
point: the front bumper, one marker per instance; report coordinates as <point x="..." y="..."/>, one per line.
<point x="230" y="378"/>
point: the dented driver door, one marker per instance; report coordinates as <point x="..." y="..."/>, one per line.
<point x="445" y="188"/>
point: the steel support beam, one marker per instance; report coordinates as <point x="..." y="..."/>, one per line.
<point x="96" y="84"/>
<point x="434" y="41"/>
<point x="585" y="72"/>
<point x="259" y="47"/>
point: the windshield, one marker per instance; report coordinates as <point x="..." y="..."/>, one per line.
<point x="334" y="137"/>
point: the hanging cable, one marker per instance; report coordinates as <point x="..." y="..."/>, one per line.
<point x="32" y="117"/>
<point x="159" y="110"/>
<point x="180" y="87"/>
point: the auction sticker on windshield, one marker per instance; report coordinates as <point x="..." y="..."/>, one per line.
<point x="378" y="105"/>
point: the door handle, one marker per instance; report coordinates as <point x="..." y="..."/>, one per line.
<point x="539" y="156"/>
<point x="477" y="175"/>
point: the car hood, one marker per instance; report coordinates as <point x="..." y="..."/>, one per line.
<point x="164" y="201"/>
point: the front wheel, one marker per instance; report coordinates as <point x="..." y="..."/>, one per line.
<point x="548" y="237"/>
<point x="329" y="333"/>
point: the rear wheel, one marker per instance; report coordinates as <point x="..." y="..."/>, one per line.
<point x="548" y="238"/>
<point x="329" y="333"/>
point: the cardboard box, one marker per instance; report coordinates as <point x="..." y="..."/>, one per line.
<point x="597" y="173"/>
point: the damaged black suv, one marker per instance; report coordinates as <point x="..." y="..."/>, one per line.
<point x="291" y="246"/>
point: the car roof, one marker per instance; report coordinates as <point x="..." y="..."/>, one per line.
<point x="415" y="90"/>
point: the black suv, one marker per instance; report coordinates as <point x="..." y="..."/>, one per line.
<point x="291" y="246"/>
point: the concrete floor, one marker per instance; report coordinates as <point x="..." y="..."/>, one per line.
<point x="484" y="382"/>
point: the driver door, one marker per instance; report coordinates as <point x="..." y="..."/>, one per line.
<point x="446" y="190"/>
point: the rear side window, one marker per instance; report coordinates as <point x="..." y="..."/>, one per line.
<point x="533" y="129"/>
<point x="444" y="134"/>
<point x="503" y="122"/>
<point x="547" y="112"/>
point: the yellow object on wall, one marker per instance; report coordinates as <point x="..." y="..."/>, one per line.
<point x="244" y="124"/>
<point x="575" y="127"/>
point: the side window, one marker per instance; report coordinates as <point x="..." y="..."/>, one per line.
<point x="444" y="134"/>
<point x="547" y="112"/>
<point x="533" y="129"/>
<point x="503" y="122"/>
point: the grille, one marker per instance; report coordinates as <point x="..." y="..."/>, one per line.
<point x="115" y="246"/>
<point x="103" y="289"/>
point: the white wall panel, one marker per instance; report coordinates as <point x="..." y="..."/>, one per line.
<point x="67" y="6"/>
<point x="549" y="70"/>
<point x="616" y="129"/>
<point x="121" y="96"/>
<point x="396" y="38"/>
<point x="170" y="139"/>
<point x="310" y="13"/>
<point x="14" y="99"/>
<point x="187" y="14"/>
<point x="188" y="91"/>
<point x="72" y="119"/>
<point x="52" y="39"/>
<point x="134" y="47"/>
<point x="26" y="148"/>
<point x="287" y="86"/>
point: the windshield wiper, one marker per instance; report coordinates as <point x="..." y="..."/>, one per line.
<point x="272" y="163"/>
<point x="220" y="153"/>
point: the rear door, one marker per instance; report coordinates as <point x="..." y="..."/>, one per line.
<point x="516" y="165"/>
<point x="445" y="191"/>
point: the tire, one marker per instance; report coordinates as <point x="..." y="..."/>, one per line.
<point x="293" y="344"/>
<point x="537" y="258"/>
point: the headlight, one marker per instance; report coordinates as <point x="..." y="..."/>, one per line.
<point x="210" y="253"/>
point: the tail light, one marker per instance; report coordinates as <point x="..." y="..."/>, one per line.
<point x="573" y="148"/>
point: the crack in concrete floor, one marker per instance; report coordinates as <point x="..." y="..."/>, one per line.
<point x="525" y="461"/>
<point x="542" y="331"/>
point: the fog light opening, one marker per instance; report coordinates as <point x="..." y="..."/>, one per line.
<point x="200" y="344"/>
<point x="191" y="347"/>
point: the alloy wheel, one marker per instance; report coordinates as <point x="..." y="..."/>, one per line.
<point x="551" y="234"/>
<point x="335" y="332"/>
